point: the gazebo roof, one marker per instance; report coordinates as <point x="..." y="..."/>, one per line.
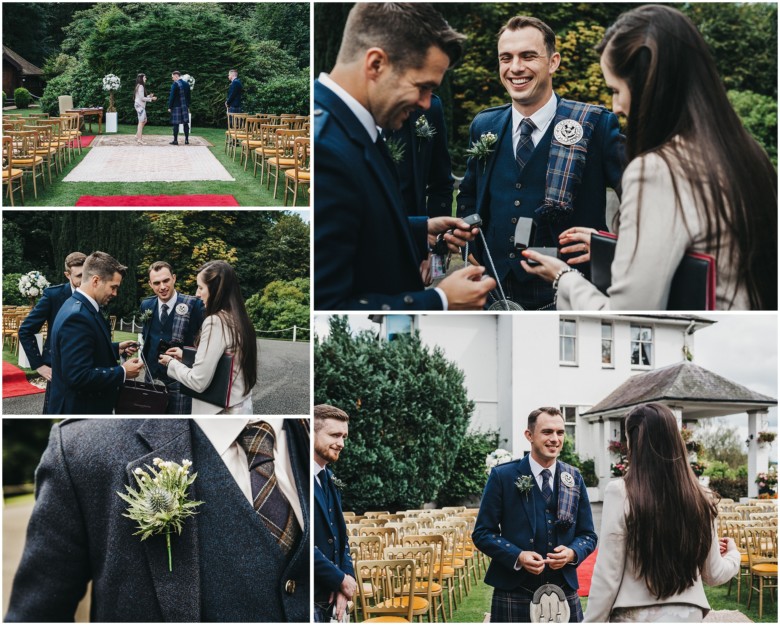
<point x="27" y="68"/>
<point x="698" y="392"/>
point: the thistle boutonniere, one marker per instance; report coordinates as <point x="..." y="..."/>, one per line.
<point x="145" y="316"/>
<point x="424" y="130"/>
<point x="524" y="484"/>
<point x="483" y="148"/>
<point x="396" y="147"/>
<point x="337" y="482"/>
<point x="160" y="504"/>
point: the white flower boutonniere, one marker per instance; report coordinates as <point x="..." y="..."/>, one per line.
<point x="338" y="483"/>
<point x="524" y="484"/>
<point x="483" y="148"/>
<point x="145" y="316"/>
<point x="424" y="130"/>
<point x="161" y="504"/>
<point x="396" y="147"/>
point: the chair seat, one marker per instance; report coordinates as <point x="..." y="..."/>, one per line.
<point x="265" y="150"/>
<point x="303" y="176"/>
<point x="46" y="151"/>
<point x="418" y="603"/>
<point x="282" y="162"/>
<point x="252" y="143"/>
<point x="28" y="161"/>
<point x="445" y="570"/>
<point x="14" y="173"/>
<point x="743" y="559"/>
<point x="386" y="619"/>
<point x="766" y="568"/>
<point x="422" y="587"/>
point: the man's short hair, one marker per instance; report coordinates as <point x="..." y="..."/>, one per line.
<point x="103" y="266"/>
<point x="550" y="410"/>
<point x="404" y="30"/>
<point x="176" y="72"/>
<point x="160" y="264"/>
<point x="233" y="71"/>
<point x="326" y="411"/>
<point x="74" y="259"/>
<point x="524" y="21"/>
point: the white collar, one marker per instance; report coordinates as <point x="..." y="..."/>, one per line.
<point x="316" y="467"/>
<point x="171" y="303"/>
<point x="540" y="118"/>
<point x="92" y="300"/>
<point x="222" y="433"/>
<point x="358" y="110"/>
<point x="537" y="468"/>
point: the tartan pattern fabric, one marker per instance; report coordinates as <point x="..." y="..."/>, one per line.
<point x="514" y="606"/>
<point x="568" y="498"/>
<point x="525" y="146"/>
<point x="180" y="111"/>
<point x="180" y="322"/>
<point x="257" y="440"/>
<point x="178" y="402"/>
<point x="546" y="488"/>
<point x="566" y="163"/>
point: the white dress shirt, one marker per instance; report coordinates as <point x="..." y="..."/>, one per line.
<point x="537" y="469"/>
<point x="222" y="433"/>
<point x="316" y="467"/>
<point x="171" y="304"/>
<point x="541" y="119"/>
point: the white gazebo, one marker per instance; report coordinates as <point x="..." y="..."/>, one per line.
<point x="692" y="393"/>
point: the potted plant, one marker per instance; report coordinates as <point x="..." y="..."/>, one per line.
<point x="767" y="482"/>
<point x="111" y="83"/>
<point x="765" y="438"/>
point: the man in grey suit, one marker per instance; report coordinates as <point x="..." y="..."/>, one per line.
<point x="229" y="563"/>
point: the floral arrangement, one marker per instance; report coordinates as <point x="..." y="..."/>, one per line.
<point x="617" y="447"/>
<point x="766" y="437"/>
<point x="337" y="482"/>
<point x="524" y="484"/>
<point x="189" y="80"/>
<point x="144" y="316"/>
<point x="767" y="480"/>
<point x="32" y="284"/>
<point x="619" y="469"/>
<point x="396" y="147"/>
<point x="483" y="148"/>
<point x="494" y="458"/>
<point x="698" y="468"/>
<point x="160" y="505"/>
<point x="111" y="83"/>
<point x="424" y="130"/>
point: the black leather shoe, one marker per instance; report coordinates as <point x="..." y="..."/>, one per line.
<point x="186" y="143"/>
<point x="174" y="143"/>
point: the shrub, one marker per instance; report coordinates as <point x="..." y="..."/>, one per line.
<point x="468" y="476"/>
<point x="22" y="98"/>
<point x="718" y="469"/>
<point x="11" y="294"/>
<point x="3" y="97"/>
<point x="281" y="94"/>
<point x="758" y="114"/>
<point x="731" y="488"/>
<point x="281" y="305"/>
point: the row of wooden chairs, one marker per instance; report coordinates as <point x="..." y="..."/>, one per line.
<point x="757" y="544"/>
<point x="13" y="316"/>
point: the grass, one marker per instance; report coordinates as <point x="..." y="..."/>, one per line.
<point x="246" y="189"/>
<point x="19" y="499"/>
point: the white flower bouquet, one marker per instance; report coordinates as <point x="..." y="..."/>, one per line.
<point x="111" y="82"/>
<point x="189" y="80"/>
<point x="494" y="458"/>
<point x="32" y="284"/>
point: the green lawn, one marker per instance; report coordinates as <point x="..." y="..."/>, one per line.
<point x="246" y="189"/>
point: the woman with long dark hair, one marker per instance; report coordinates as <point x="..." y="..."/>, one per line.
<point x="696" y="181"/>
<point x="226" y="328"/>
<point x="658" y="539"/>
<point x="140" y="100"/>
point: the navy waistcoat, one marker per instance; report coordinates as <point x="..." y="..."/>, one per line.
<point x="157" y="332"/>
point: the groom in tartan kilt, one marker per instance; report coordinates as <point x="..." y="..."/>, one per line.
<point x="179" y="107"/>
<point x="175" y="319"/>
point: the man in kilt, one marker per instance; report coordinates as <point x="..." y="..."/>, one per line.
<point x="179" y="107"/>
<point x="536" y="525"/>
<point x="173" y="320"/>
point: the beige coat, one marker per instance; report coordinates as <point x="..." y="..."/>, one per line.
<point x="615" y="583"/>
<point x="213" y="343"/>
<point x="641" y="280"/>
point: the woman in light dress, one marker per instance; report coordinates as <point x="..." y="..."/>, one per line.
<point x="696" y="181"/>
<point x="658" y="541"/>
<point x="226" y="328"/>
<point x="140" y="105"/>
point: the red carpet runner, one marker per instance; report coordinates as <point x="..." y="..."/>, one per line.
<point x="157" y="200"/>
<point x="585" y="573"/>
<point x="85" y="141"/>
<point x="15" y="384"/>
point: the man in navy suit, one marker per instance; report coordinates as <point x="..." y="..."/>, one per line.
<point x="367" y="251"/>
<point x="45" y="311"/>
<point x="175" y="319"/>
<point x="227" y="564"/>
<point x="179" y="107"/>
<point x="233" y="102"/>
<point x="535" y="523"/>
<point x="551" y="160"/>
<point x="85" y="376"/>
<point x="334" y="575"/>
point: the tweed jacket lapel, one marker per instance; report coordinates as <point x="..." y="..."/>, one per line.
<point x="499" y="125"/>
<point x="178" y="591"/>
<point x="524" y="468"/>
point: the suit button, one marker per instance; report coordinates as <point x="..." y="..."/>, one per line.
<point x="317" y="111"/>
<point x="289" y="587"/>
<point x="517" y="202"/>
<point x="408" y="299"/>
<point x="518" y="186"/>
<point x="330" y="541"/>
<point x="511" y="239"/>
<point x="514" y="220"/>
<point x="512" y="255"/>
<point x="385" y="307"/>
<point x="364" y="302"/>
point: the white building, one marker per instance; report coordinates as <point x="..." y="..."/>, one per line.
<point x="516" y="363"/>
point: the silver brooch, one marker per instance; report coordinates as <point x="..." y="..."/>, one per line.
<point x="567" y="479"/>
<point x="181" y="309"/>
<point x="568" y="132"/>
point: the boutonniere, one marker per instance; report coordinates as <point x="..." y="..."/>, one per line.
<point x="424" y="130"/>
<point x="524" y="484"/>
<point x="161" y="504"/>
<point x="396" y="147"/>
<point x="337" y="482"/>
<point x="145" y="316"/>
<point x="483" y="148"/>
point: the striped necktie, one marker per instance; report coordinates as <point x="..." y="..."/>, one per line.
<point x="269" y="501"/>
<point x="525" y="147"/>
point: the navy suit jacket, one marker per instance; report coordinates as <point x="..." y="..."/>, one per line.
<point x="234" y="94"/>
<point x="78" y="533"/>
<point x="45" y="311"/>
<point x="426" y="169"/>
<point x="85" y="375"/>
<point x="506" y="525"/>
<point x="367" y="252"/>
<point x="329" y="567"/>
<point x="190" y="323"/>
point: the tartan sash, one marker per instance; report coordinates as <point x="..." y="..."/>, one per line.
<point x="568" y="497"/>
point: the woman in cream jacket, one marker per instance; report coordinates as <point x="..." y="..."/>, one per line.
<point x="226" y="328"/>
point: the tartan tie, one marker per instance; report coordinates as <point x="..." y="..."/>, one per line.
<point x="269" y="501"/>
<point x="546" y="488"/>
<point x="525" y="147"/>
<point x="164" y="314"/>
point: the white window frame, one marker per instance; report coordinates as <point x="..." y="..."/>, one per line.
<point x="574" y="337"/>
<point x="611" y="339"/>
<point x="651" y="342"/>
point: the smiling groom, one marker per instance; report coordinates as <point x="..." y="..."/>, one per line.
<point x="535" y="523"/>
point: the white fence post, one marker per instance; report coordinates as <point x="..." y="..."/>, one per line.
<point x="295" y="332"/>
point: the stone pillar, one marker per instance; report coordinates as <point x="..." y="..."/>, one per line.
<point x="758" y="455"/>
<point x="677" y="412"/>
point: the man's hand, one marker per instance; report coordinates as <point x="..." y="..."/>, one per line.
<point x="45" y="372"/>
<point x="348" y="586"/>
<point x="456" y="232"/>
<point x="340" y="607"/>
<point x="132" y="368"/>
<point x="425" y="271"/>
<point x="128" y="347"/>
<point x="560" y="557"/>
<point x="467" y="288"/>
<point x="531" y="562"/>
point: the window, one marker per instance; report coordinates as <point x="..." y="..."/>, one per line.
<point x="397" y="325"/>
<point x="568" y="341"/>
<point x="641" y="345"/>
<point x="606" y="343"/>
<point x="570" y="421"/>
